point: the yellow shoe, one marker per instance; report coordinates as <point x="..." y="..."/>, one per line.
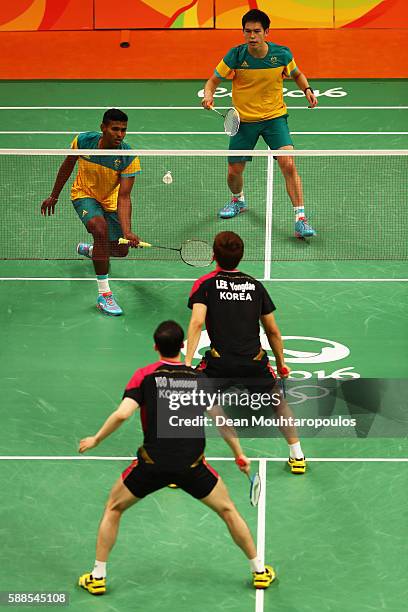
<point x="95" y="586"/>
<point x="262" y="581"/>
<point x="173" y="486"/>
<point x="297" y="466"/>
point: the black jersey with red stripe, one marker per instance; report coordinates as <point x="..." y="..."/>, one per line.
<point x="235" y="301"/>
<point x="156" y="388"/>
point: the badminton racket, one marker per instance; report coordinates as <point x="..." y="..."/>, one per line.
<point x="254" y="484"/>
<point x="231" y="120"/>
<point x="196" y="253"/>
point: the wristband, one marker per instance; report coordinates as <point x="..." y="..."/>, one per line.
<point x="239" y="461"/>
<point x="305" y="90"/>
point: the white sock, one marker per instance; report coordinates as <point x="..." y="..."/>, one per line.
<point x="99" y="570"/>
<point x="256" y="565"/>
<point x="295" y="451"/>
<point x="103" y="283"/>
<point x="299" y="212"/>
<point x="240" y="196"/>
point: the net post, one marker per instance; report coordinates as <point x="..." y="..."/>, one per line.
<point x="268" y="218"/>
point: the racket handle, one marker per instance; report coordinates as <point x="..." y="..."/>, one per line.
<point x="240" y="462"/>
<point x="141" y="244"/>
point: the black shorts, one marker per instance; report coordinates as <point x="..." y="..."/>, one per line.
<point x="257" y="370"/>
<point x="143" y="478"/>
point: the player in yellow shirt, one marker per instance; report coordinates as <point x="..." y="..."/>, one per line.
<point x="101" y="197"/>
<point x="257" y="69"/>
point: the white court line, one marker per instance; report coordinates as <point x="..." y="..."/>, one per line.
<point x="197" y="108"/>
<point x="189" y="280"/>
<point x="268" y="219"/>
<point x="273" y="459"/>
<point x="159" y="133"/>
<point x="260" y="537"/>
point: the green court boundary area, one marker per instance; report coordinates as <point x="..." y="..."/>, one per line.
<point x="332" y="535"/>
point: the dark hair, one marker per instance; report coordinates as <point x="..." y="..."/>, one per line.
<point x="256" y="16"/>
<point x="169" y="338"/>
<point x="114" y="114"/>
<point x="228" y="250"/>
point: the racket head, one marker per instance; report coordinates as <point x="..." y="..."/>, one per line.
<point x="255" y="489"/>
<point x="196" y="253"/>
<point x="231" y="122"/>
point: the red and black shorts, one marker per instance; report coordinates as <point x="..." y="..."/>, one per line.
<point x="143" y="478"/>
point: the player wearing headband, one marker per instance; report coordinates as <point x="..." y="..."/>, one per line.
<point x="101" y="198"/>
<point x="258" y="68"/>
<point x="162" y="459"/>
<point x="231" y="304"/>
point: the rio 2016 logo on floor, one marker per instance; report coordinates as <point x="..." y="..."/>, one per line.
<point x="334" y="92"/>
<point x="319" y="351"/>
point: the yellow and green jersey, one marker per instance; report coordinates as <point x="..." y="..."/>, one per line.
<point x="257" y="85"/>
<point x="99" y="176"/>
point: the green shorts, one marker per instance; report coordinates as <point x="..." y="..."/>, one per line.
<point x="275" y="133"/>
<point x="88" y="208"/>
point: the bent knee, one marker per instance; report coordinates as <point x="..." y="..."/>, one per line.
<point x="97" y="226"/>
<point x="236" y="169"/>
<point x="228" y="512"/>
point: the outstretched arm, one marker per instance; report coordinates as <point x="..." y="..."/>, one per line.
<point x="65" y="171"/>
<point x="228" y="432"/>
<point x="194" y="330"/>
<point x="125" y="210"/>
<point x="125" y="410"/>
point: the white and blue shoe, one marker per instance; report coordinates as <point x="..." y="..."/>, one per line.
<point x="84" y="249"/>
<point x="233" y="208"/>
<point x="303" y="229"/>
<point x="107" y="304"/>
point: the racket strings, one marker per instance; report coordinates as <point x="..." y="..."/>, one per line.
<point x="231" y="122"/>
<point x="196" y="253"/>
<point x="255" y="489"/>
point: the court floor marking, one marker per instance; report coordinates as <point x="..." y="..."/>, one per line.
<point x="260" y="459"/>
<point x="160" y="133"/>
<point x="260" y="531"/>
<point x="190" y="280"/>
<point x="197" y="108"/>
<point x="268" y="218"/>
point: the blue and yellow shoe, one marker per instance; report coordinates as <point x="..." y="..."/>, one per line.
<point x="297" y="466"/>
<point x="95" y="586"/>
<point x="262" y="581"/>
<point x="107" y="304"/>
<point x="84" y="249"/>
<point x="233" y="208"/>
<point x="303" y="229"/>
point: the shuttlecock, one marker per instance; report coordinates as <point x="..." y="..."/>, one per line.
<point x="167" y="178"/>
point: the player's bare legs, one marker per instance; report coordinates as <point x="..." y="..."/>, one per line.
<point x="295" y="192"/>
<point x="120" y="499"/>
<point x="235" y="182"/>
<point x="98" y="227"/>
<point x="220" y="501"/>
<point x="101" y="251"/>
<point x="235" y="179"/>
<point x="118" y="250"/>
<point x="292" y="179"/>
